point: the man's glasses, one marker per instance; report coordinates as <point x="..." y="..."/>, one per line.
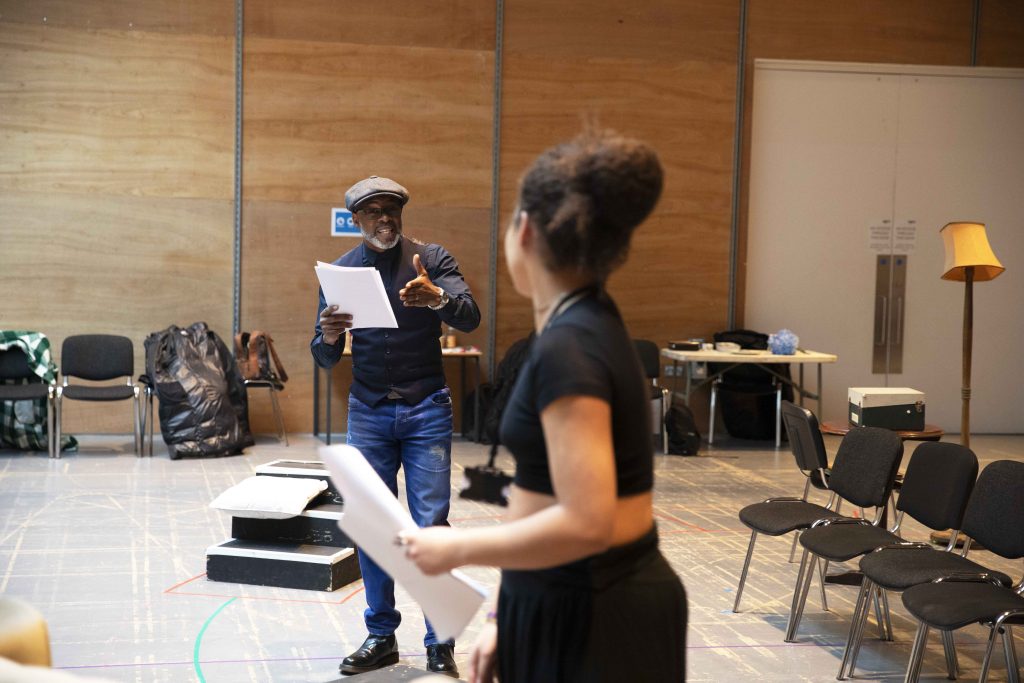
<point x="375" y="212"/>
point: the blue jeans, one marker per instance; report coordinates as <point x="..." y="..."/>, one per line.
<point x="419" y="438"/>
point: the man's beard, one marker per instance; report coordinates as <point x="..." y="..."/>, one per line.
<point x="377" y="242"/>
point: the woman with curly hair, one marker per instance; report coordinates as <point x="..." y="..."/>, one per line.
<point x="585" y="593"/>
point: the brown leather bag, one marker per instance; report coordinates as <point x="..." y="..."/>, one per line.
<point x="254" y="352"/>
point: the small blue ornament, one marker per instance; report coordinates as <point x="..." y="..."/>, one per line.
<point x="783" y="343"/>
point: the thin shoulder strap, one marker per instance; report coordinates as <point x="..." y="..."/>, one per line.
<point x="281" y="374"/>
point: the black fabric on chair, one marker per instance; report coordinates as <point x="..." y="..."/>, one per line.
<point x="949" y="605"/>
<point x="995" y="515"/>
<point x="650" y="360"/>
<point x="14" y="365"/>
<point x="777" y="516"/>
<point x="80" y="392"/>
<point x="98" y="358"/>
<point x="897" y="569"/>
<point x="865" y="466"/>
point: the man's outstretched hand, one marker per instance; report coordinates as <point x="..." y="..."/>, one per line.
<point x="420" y="291"/>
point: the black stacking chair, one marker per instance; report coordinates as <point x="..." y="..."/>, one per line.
<point x="651" y="362"/>
<point x="936" y="489"/>
<point x="98" y="357"/>
<point x="995" y="518"/>
<point x="779" y="516"/>
<point x="863" y="473"/>
<point x="14" y="366"/>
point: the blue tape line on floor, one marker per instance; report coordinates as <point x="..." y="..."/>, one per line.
<point x="199" y="640"/>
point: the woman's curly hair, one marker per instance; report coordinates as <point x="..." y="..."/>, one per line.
<point x="587" y="195"/>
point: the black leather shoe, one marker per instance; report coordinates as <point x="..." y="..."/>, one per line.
<point x="441" y="659"/>
<point x="375" y="652"/>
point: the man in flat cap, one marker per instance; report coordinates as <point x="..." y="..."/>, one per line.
<point x="399" y="409"/>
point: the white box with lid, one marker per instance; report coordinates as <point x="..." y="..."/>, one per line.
<point x="900" y="408"/>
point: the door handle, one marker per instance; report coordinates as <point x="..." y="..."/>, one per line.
<point x="899" y="320"/>
<point x="883" y="329"/>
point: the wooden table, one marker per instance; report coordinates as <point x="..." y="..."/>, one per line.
<point x="929" y="433"/>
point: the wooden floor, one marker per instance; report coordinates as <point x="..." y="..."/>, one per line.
<point x="110" y="548"/>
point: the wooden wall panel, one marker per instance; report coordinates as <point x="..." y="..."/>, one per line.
<point x="115" y="184"/>
<point x="665" y="73"/>
<point x="116" y="113"/>
<point x="209" y="17"/>
<point x="1001" y="33"/>
<point x="448" y="24"/>
<point x="911" y="32"/>
<point x="318" y="117"/>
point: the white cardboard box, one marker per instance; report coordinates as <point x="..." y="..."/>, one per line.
<point x="900" y="408"/>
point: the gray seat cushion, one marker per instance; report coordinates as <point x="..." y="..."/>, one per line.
<point x="842" y="542"/>
<point x="781" y="517"/>
<point x="81" y="392"/>
<point x="23" y="392"/>
<point x="953" y="604"/>
<point x="901" y="568"/>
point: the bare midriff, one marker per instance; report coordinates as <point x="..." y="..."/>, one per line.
<point x="634" y="515"/>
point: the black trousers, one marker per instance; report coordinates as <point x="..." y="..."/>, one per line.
<point x="615" y="617"/>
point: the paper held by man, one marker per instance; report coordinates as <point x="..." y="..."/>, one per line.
<point x="357" y="291"/>
<point x="373" y="517"/>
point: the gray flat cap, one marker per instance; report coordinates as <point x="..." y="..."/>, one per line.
<point x="374" y="186"/>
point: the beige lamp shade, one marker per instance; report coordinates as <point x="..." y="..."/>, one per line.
<point x="967" y="245"/>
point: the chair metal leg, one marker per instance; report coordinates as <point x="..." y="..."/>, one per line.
<point x="822" y="568"/>
<point x="666" y="400"/>
<point x="137" y="423"/>
<point x="743" y="574"/>
<point x="792" y="550"/>
<point x="711" y="419"/>
<point x="800" y="590"/>
<point x="859" y="617"/>
<point x="1012" y="666"/>
<point x="282" y="433"/>
<point x="882" y="615"/>
<point x="151" y="418"/>
<point x="778" y="414"/>
<point x="57" y="401"/>
<point x="987" y="660"/>
<point x="949" y="649"/>
<point x="917" y="654"/>
<point x="49" y="424"/>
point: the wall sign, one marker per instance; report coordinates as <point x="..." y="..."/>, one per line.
<point x="342" y="224"/>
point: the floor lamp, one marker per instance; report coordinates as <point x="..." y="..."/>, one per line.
<point x="969" y="259"/>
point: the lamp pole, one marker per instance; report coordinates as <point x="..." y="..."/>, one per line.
<point x="965" y="391"/>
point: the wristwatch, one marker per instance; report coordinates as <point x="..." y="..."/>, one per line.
<point x="444" y="301"/>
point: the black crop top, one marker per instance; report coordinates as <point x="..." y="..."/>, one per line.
<point x="584" y="351"/>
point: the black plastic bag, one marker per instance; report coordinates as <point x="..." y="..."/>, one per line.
<point x="746" y="395"/>
<point x="683" y="437"/>
<point x="203" y="408"/>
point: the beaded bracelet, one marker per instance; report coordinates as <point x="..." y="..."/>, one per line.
<point x="492" y="617"/>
